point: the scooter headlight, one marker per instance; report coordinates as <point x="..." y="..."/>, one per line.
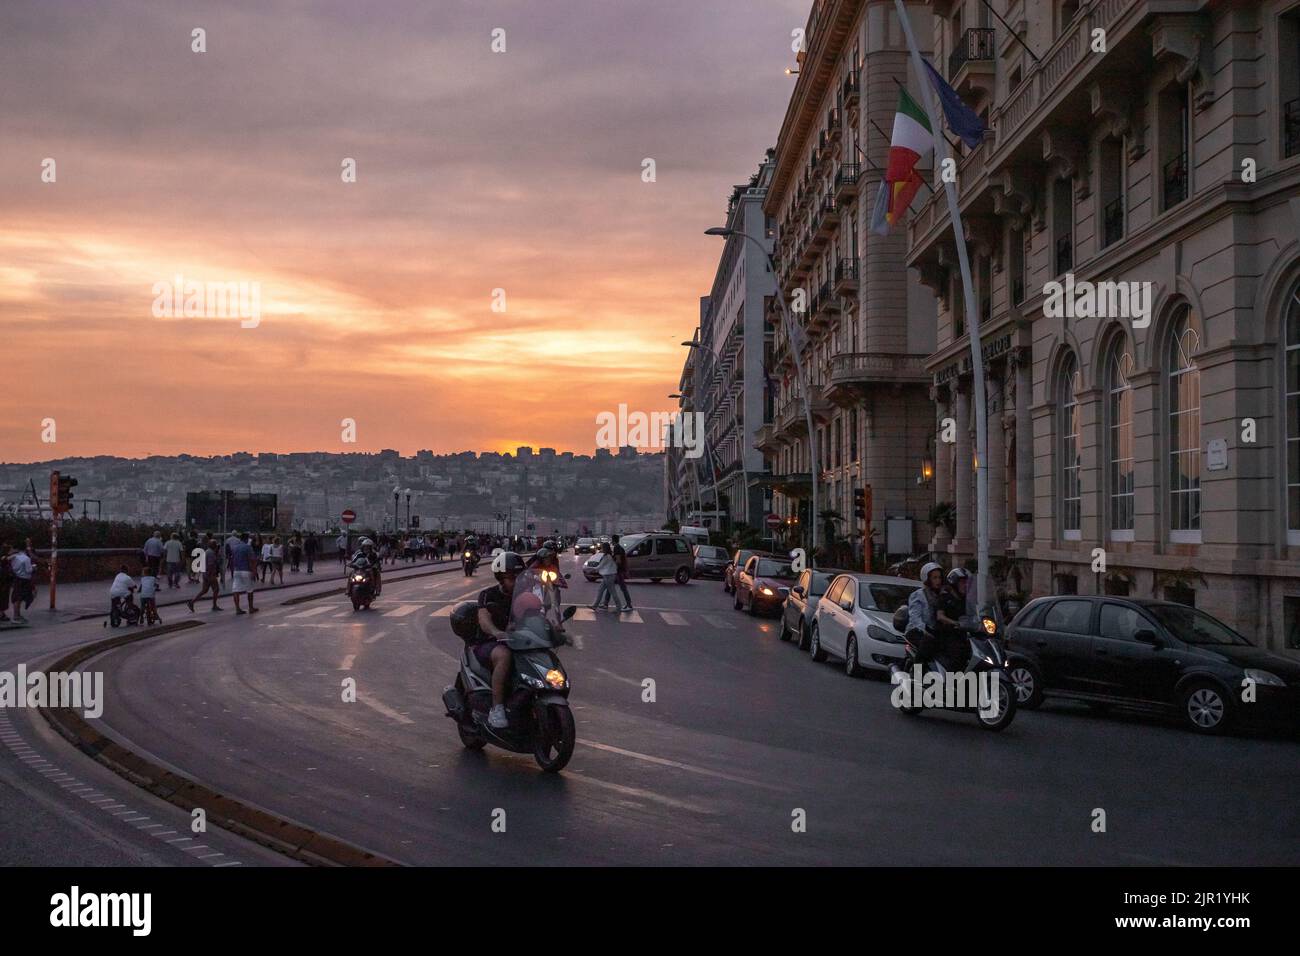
<point x="358" y="578"/>
<point x="555" y="678"/>
<point x="467" y="554"/>
<point x="990" y="626"/>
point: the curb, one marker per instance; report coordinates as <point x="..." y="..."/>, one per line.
<point x="292" y="839"/>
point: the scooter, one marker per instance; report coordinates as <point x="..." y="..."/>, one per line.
<point x="981" y="687"/>
<point x="469" y="561"/>
<point x="361" y="588"/>
<point x="537" y="698"/>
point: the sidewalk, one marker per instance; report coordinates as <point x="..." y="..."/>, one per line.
<point x="87" y="599"/>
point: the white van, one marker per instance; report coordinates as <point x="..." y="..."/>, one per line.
<point x="695" y="535"/>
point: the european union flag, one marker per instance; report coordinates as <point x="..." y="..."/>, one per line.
<point x="961" y="119"/>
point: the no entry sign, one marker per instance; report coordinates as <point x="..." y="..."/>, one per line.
<point x="348" y="516"/>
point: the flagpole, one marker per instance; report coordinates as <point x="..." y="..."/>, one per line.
<point x="972" y="319"/>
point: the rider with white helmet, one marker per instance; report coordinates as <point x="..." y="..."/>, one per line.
<point x="367" y="559"/>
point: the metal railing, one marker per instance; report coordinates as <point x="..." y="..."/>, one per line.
<point x="975" y="44"/>
<point x="1291" y="128"/>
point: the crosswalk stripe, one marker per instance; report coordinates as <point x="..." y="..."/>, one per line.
<point x="444" y="611"/>
<point x="310" y="612"/>
<point x="584" y="614"/>
<point x="632" y="616"/>
<point x="672" y="617"/>
<point x="718" y="621"/>
<point x="403" y="610"/>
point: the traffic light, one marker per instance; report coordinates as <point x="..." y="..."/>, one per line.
<point x="860" y="503"/>
<point x="61" y="492"/>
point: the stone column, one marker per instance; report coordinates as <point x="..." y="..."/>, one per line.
<point x="942" y="469"/>
<point x="1022" y="369"/>
<point x="997" y="465"/>
<point x="964" y="542"/>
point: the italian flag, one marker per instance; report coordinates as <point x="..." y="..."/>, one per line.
<point x="912" y="138"/>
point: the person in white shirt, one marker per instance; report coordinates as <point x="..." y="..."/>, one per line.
<point x="20" y="565"/>
<point x="172" y="551"/>
<point x="342" y="542"/>
<point x="266" y="561"/>
<point x="120" y="591"/>
<point x="277" y="559"/>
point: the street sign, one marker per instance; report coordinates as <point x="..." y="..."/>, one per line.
<point x="774" y="521"/>
<point x="348" y="516"/>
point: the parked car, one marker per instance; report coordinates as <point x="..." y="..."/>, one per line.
<point x="801" y="603"/>
<point x="585" y="546"/>
<point x="735" y="564"/>
<point x="1150" y="655"/>
<point x="763" y="583"/>
<point x="710" y="561"/>
<point x="853" y="622"/>
<point x="657" y="556"/>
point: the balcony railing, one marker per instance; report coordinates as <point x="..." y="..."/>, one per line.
<point x="1113" y="222"/>
<point x="1291" y="119"/>
<point x="1175" y="180"/>
<point x="846" y="275"/>
<point x="1064" y="254"/>
<point x="846" y="181"/>
<point x="975" y="44"/>
<point x="851" y="88"/>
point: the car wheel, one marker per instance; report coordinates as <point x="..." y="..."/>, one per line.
<point x="851" y="666"/>
<point x="815" y="650"/>
<point x="682" y="576"/>
<point x="785" y="629"/>
<point x="803" y="635"/>
<point x="750" y="608"/>
<point x="1028" y="688"/>
<point x="1205" y="708"/>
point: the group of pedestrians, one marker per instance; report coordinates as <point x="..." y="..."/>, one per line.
<point x="612" y="569"/>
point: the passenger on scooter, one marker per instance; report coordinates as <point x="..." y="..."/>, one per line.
<point x="367" y="560"/>
<point x="491" y="649"/>
<point x="923" y="615"/>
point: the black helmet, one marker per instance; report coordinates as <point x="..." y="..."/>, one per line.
<point x="544" y="556"/>
<point x="510" y="563"/>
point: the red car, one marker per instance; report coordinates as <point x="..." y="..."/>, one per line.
<point x="763" y="583"/>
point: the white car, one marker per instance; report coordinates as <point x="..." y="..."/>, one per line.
<point x="853" y="622"/>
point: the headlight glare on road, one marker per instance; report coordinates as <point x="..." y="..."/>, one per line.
<point x="555" y="678"/>
<point x="1264" y="677"/>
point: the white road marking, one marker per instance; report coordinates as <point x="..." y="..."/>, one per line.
<point x="444" y="611"/>
<point x="347" y="662"/>
<point x="631" y="617"/>
<point x="691" y="768"/>
<point x="673" y="618"/>
<point x="374" y="637"/>
<point x="309" y="613"/>
<point x="584" y="614"/>
<point x="403" y="610"/>
<point x="625" y="680"/>
<point x="717" y="620"/>
<point x="386" y="711"/>
<point x="641" y="794"/>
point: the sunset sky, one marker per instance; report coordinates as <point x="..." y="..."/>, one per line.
<point x="475" y="170"/>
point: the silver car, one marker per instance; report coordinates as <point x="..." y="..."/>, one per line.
<point x="801" y="605"/>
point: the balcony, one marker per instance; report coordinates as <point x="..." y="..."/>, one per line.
<point x="853" y="374"/>
<point x="790" y="419"/>
<point x="828" y="216"/>
<point x="832" y="126"/>
<point x="972" y="57"/>
<point x="1291" y="130"/>
<point x="765" y="438"/>
<point x="846" y="277"/>
<point x="851" y="89"/>
<point x="1175" y="181"/>
<point x="1064" y="254"/>
<point x="846" y="183"/>
<point x="1112" y="222"/>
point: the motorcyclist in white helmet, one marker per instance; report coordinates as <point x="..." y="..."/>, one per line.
<point x="367" y="558"/>
<point x="923" y="612"/>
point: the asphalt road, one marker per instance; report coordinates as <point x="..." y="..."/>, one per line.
<point x="744" y="732"/>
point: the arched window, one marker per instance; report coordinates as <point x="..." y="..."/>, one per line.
<point x="1293" y="416"/>
<point x="1119" y="440"/>
<point x="1068" y="429"/>
<point x="1184" y="434"/>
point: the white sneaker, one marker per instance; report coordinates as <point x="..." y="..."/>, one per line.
<point x="497" y="718"/>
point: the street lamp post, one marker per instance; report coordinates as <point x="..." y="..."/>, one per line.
<point x="407" y="492"/>
<point x="799" y="371"/>
<point x="397" y="493"/>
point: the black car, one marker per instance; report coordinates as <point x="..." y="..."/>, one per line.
<point x="1152" y="655"/>
<point x="710" y="561"/>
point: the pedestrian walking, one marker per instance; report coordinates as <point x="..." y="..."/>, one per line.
<point x="608" y="571"/>
<point x="342" y="544"/>
<point x="6" y="580"/>
<point x="243" y="561"/>
<point x="309" y="549"/>
<point x="265" y="551"/>
<point x="153" y="551"/>
<point x="21" y="567"/>
<point x="277" y="559"/>
<point x="211" y="575"/>
<point x="295" y="552"/>
<point x="172" y="552"/>
<point x="620" y="558"/>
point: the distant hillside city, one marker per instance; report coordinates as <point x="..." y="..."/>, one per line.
<point x="487" y="491"/>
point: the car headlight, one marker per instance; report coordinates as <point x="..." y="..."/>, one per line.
<point x="766" y="591"/>
<point x="1264" y="677"/>
<point x="555" y="678"/>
